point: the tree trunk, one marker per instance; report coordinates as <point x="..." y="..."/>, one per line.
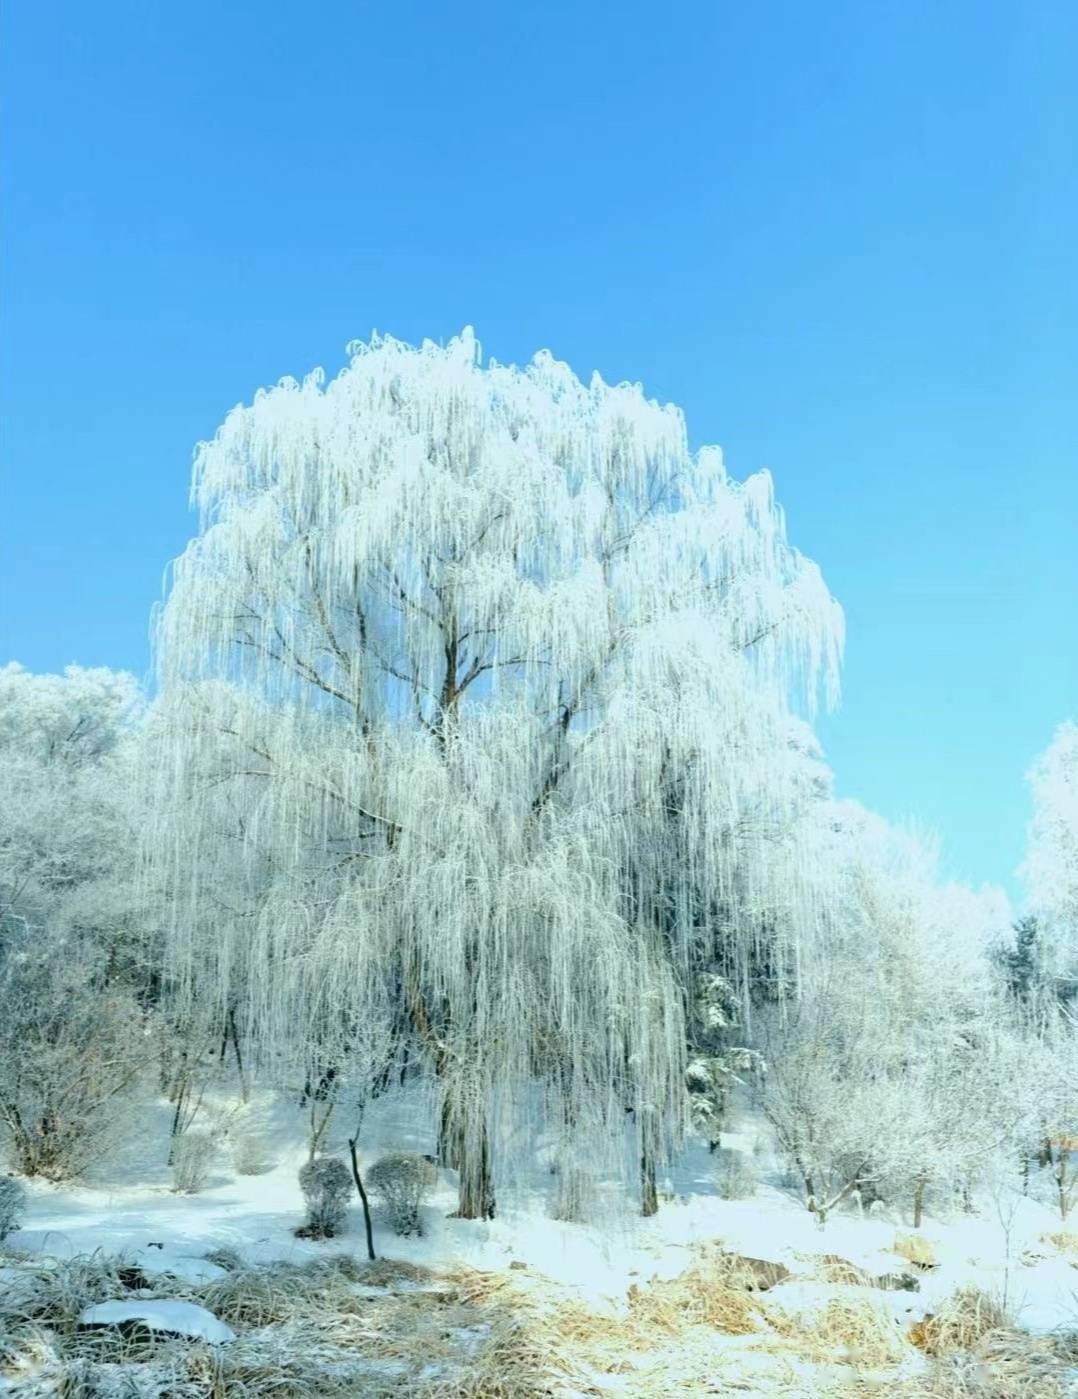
<point x="918" y="1202"/>
<point x="363" y="1198"/>
<point x="469" y="1156"/>
<point x="476" y="1199"/>
<point x="649" y="1196"/>
<point x="1062" y="1182"/>
<point x="235" y="1036"/>
<point x="649" y="1155"/>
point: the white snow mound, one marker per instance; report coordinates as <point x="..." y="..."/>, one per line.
<point x="175" y="1318"/>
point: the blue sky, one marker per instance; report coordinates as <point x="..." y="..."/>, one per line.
<point x="843" y="236"/>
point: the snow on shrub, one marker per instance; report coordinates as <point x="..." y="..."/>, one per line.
<point x="251" y="1154"/>
<point x="193" y="1156"/>
<point x="735" y="1178"/>
<point x="403" y="1179"/>
<point x="12" y="1204"/>
<point x="326" y="1183"/>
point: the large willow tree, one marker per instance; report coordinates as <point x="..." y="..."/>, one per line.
<point x="485" y="679"/>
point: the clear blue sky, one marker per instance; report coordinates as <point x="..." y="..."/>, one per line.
<point x="843" y="236"/>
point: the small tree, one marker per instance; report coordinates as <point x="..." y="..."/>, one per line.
<point x="402" y="1179"/>
<point x="326" y="1183"/>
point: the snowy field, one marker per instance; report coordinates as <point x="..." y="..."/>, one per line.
<point x="521" y="1305"/>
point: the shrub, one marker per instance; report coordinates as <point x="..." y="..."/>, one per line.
<point x="250" y="1154"/>
<point x="734" y="1176"/>
<point x="12" y="1204"/>
<point x="326" y="1183"/>
<point x="402" y="1179"/>
<point x="70" y="1048"/>
<point x="193" y="1156"/>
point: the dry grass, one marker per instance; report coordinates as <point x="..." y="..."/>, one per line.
<point x="852" y="1330"/>
<point x="915" y="1249"/>
<point x="343" y="1328"/>
<point x="1063" y="1240"/>
<point x="325" y="1329"/>
<point x="832" y="1268"/>
<point x="1001" y="1366"/>
<point x="967" y="1318"/>
<point x="709" y="1294"/>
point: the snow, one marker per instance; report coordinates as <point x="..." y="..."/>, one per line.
<point x="132" y="1213"/>
<point x="175" y="1318"/>
<point x="163" y="1233"/>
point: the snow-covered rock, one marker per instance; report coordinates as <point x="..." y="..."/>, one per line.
<point x="156" y="1262"/>
<point x="161" y="1314"/>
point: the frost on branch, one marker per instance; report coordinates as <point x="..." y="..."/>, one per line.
<point x="486" y="679"/>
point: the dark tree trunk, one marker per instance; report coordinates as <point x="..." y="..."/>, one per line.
<point x="649" y="1195"/>
<point x="477" y="1184"/>
<point x="649" y="1157"/>
<point x="470" y="1159"/>
<point x="363" y="1198"/>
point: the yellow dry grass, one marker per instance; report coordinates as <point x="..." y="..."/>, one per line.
<point x="832" y="1268"/>
<point x="965" y="1319"/>
<point x="1063" y="1240"/>
<point x="337" y="1328"/>
<point x="852" y="1330"/>
<point x="915" y="1249"/>
<point x="1008" y="1365"/>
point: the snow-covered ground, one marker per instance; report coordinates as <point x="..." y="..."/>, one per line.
<point x="131" y="1211"/>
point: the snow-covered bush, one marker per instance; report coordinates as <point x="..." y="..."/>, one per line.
<point x="193" y="1156"/>
<point x="71" y="1046"/>
<point x="12" y="1204"/>
<point x="735" y="1178"/>
<point x="251" y="1155"/>
<point x="403" y="1179"/>
<point x="326" y="1183"/>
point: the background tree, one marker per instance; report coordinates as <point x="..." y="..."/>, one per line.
<point x="1051" y="872"/>
<point x="72" y="918"/>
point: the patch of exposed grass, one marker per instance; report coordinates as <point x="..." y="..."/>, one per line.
<point x="916" y="1249"/>
<point x="852" y="1330"/>
<point x="1063" y="1239"/>
<point x="965" y="1318"/>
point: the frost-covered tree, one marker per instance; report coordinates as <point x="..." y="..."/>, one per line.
<point x="1051" y="873"/>
<point x="881" y="1080"/>
<point x="502" y="671"/>
<point x="66" y="827"/>
<point x="72" y="920"/>
<point x="71" y="1046"/>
